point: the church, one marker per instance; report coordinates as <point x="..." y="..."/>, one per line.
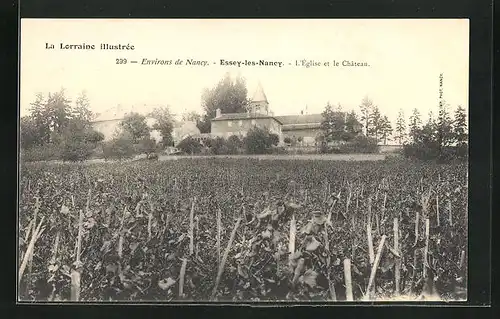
<point x="304" y="128"/>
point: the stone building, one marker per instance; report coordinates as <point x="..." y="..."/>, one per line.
<point x="108" y="123"/>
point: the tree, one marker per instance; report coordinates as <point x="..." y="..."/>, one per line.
<point x="229" y="96"/>
<point x="386" y="129"/>
<point x="57" y="111"/>
<point x="234" y="143"/>
<point x="147" y="145"/>
<point x="28" y="133"/>
<point x="415" y="124"/>
<point x="333" y="123"/>
<point x="135" y="124"/>
<point x="190" y="146"/>
<point x="257" y="141"/>
<point x="39" y="120"/>
<point x="444" y="128"/>
<point x="352" y="125"/>
<point x="366" y="109"/>
<point x="82" y="111"/>
<point x="400" y="127"/>
<point x="164" y="124"/>
<point x="120" y="147"/>
<point x="275" y="139"/>
<point x="460" y="126"/>
<point x="191" y="117"/>
<point x="375" y="121"/>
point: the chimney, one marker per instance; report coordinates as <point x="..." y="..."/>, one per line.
<point x="217" y="113"/>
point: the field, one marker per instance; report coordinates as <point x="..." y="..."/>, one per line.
<point x="242" y="230"/>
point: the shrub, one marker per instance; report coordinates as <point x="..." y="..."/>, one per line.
<point x="360" y="144"/>
<point x="190" y="146"/>
<point x="120" y="147"/>
<point x="146" y="145"/>
<point x="234" y="144"/>
<point x="46" y="152"/>
<point x="257" y="141"/>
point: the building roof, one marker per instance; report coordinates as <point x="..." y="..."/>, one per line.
<point x="120" y="111"/>
<point x="259" y="95"/>
<point x="300" y="119"/>
<point x="244" y="116"/>
<point x="303" y="126"/>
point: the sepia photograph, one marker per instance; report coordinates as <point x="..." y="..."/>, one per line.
<point x="240" y="161"/>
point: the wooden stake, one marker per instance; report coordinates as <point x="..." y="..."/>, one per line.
<point x="348" y="280"/>
<point x="191" y="228"/>
<point x="293" y="230"/>
<point x="369" y="233"/>
<point x="375" y="266"/>
<point x="450" y="217"/>
<point x="437" y="209"/>
<point x="398" y="259"/>
<point x="462" y="260"/>
<point x="331" y="287"/>
<point x="120" y="232"/>
<point x="75" y="285"/>
<point x="426" y="248"/>
<point x="29" y="251"/>
<point x="417" y="222"/>
<point x="224" y="258"/>
<point x="79" y="238"/>
<point x="55" y="248"/>
<point x="181" y="277"/>
<point x="219" y="228"/>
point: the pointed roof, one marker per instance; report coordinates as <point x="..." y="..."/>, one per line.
<point x="259" y="95"/>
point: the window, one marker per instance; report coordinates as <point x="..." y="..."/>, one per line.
<point x="229" y="123"/>
<point x="253" y="122"/>
<point x="240" y="123"/>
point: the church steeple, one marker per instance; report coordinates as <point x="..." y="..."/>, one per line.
<point x="259" y="103"/>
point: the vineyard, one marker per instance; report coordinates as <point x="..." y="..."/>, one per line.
<point x="242" y="230"/>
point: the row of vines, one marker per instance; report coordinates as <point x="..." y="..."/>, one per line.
<point x="242" y="230"/>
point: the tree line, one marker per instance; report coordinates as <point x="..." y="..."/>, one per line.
<point x="442" y="137"/>
<point x="56" y="128"/>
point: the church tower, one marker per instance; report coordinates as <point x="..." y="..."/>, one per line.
<point x="259" y="103"/>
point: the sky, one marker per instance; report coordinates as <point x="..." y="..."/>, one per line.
<point x="404" y="58"/>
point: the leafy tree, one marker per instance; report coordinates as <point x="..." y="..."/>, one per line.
<point x="164" y="124"/>
<point x="191" y="117"/>
<point x="82" y="111"/>
<point x="444" y="128"/>
<point x="460" y="126"/>
<point x="135" y="124"/>
<point x="386" y="129"/>
<point x="234" y="143"/>
<point x="229" y="95"/>
<point x="257" y="141"/>
<point x="333" y="124"/>
<point x="352" y="125"/>
<point x="147" y="145"/>
<point x="366" y="109"/>
<point x="190" y="146"/>
<point x="216" y="145"/>
<point x="400" y="127"/>
<point x="39" y="120"/>
<point x="57" y="111"/>
<point x="120" y="147"/>
<point x="376" y="122"/>
<point x="415" y="124"/>
<point x="28" y="133"/>
<point x="275" y="139"/>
